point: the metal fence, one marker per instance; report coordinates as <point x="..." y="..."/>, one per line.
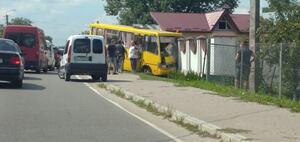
<point x="278" y="67"/>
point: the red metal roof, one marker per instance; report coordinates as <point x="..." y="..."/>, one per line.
<point x="197" y="22"/>
<point x="242" y="21"/>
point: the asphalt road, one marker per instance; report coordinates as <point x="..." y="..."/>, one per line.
<point x="48" y="109"/>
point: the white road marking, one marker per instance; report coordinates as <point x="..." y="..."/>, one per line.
<point x="132" y="114"/>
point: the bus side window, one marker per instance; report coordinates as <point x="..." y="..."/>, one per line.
<point x="151" y="44"/>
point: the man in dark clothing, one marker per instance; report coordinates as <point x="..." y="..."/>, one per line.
<point x="121" y="53"/>
<point x="111" y="50"/>
<point x="243" y="65"/>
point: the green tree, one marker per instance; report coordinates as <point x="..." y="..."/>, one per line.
<point x="138" y="11"/>
<point x="49" y="38"/>
<point x="284" y="28"/>
<point x="20" y="21"/>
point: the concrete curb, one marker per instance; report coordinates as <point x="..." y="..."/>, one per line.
<point x="202" y="125"/>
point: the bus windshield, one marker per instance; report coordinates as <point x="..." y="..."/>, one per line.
<point x="168" y="46"/>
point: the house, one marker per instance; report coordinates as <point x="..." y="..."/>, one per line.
<point x="219" y="30"/>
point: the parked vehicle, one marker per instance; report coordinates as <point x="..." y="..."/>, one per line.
<point x="158" y="48"/>
<point x="50" y="55"/>
<point x="84" y="55"/>
<point x="32" y="44"/>
<point x="58" y="53"/>
<point x="11" y="63"/>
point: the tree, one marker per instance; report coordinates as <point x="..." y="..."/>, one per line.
<point x="284" y="28"/>
<point x="20" y="21"/>
<point x="86" y="32"/>
<point x="49" y="38"/>
<point x="138" y="11"/>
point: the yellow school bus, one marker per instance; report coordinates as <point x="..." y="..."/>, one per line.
<point x="158" y="48"/>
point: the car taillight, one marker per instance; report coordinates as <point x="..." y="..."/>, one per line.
<point x="69" y="54"/>
<point x="15" y="61"/>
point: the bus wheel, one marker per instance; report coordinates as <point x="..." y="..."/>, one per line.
<point x="146" y="70"/>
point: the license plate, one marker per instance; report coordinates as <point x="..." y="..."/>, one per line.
<point x="82" y="58"/>
<point x="1" y="60"/>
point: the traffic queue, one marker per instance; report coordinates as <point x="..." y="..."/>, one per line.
<point x="25" y="48"/>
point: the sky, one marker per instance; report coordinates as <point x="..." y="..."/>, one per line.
<point x="62" y="18"/>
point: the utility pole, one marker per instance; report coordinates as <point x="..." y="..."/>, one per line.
<point x="253" y="40"/>
<point x="6" y="17"/>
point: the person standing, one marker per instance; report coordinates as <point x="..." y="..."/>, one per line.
<point x="243" y="65"/>
<point x="111" y="49"/>
<point x="121" y="53"/>
<point x="133" y="56"/>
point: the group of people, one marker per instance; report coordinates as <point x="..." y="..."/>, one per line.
<point x="117" y="53"/>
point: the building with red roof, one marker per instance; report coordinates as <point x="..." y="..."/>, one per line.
<point x="223" y="29"/>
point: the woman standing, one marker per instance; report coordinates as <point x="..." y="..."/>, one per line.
<point x="133" y="56"/>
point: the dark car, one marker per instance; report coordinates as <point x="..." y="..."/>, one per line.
<point x="11" y="63"/>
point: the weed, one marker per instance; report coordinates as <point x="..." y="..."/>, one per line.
<point x="101" y="85"/>
<point x="233" y="130"/>
<point x="118" y="93"/>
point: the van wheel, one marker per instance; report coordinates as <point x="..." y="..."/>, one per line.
<point x="38" y="70"/>
<point x="67" y="76"/>
<point x="60" y="73"/>
<point x="95" y="77"/>
<point x="104" y="78"/>
<point x="146" y="70"/>
<point x="45" y="70"/>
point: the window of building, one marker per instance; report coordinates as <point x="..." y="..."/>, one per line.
<point x="224" y="24"/>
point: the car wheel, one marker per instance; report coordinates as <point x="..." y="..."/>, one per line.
<point x="51" y="68"/>
<point x="104" y="78"/>
<point x="18" y="83"/>
<point x="95" y="77"/>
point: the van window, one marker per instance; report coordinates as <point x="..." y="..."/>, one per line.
<point x="23" y="39"/>
<point x="82" y="46"/>
<point x="66" y="47"/>
<point x="97" y="46"/>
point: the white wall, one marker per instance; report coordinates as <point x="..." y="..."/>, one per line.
<point x="184" y="59"/>
<point x="194" y="61"/>
<point x="222" y="57"/>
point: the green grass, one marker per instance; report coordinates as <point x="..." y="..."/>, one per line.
<point x="227" y="91"/>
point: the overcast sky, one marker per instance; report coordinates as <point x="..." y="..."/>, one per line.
<point x="61" y="18"/>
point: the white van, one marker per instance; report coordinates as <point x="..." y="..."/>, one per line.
<point x="84" y="55"/>
<point x="50" y="55"/>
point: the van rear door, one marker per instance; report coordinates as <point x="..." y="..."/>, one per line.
<point x="98" y="51"/>
<point x="27" y="44"/>
<point x="82" y="52"/>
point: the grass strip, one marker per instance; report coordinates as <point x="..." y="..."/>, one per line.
<point x="227" y="91"/>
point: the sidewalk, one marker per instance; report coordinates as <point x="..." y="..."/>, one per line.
<point x="259" y="122"/>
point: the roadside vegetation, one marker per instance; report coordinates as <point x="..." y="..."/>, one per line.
<point x="192" y="80"/>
